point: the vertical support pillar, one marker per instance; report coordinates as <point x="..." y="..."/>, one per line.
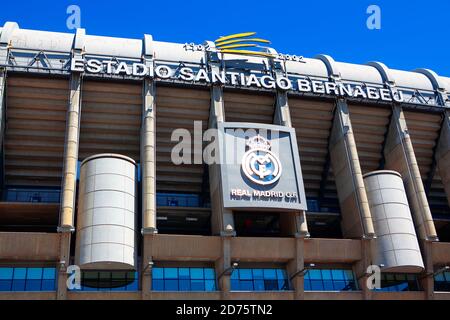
<point x="222" y="220"/>
<point x="64" y="262"/>
<point x="146" y="267"/>
<point x="70" y="161"/>
<point x="362" y="265"/>
<point x="5" y="39"/>
<point x="223" y="269"/>
<point x="400" y="157"/>
<point x="294" y="224"/>
<point x="148" y="159"/>
<point x="443" y="154"/>
<point x="148" y="167"/>
<point x="356" y="217"/>
<point x="296" y="265"/>
<point x="67" y="211"/>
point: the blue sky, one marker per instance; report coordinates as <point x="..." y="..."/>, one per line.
<point x="414" y="34"/>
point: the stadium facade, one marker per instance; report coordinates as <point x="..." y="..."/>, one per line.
<point x="343" y="169"/>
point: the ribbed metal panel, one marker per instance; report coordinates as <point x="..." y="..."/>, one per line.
<point x="258" y="108"/>
<point x="110" y="119"/>
<point x="35" y="129"/>
<point x="312" y="121"/>
<point x="178" y="108"/>
<point x="370" y="125"/>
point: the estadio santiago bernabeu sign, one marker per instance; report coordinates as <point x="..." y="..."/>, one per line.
<point x="260" y="167"/>
<point x="240" y="79"/>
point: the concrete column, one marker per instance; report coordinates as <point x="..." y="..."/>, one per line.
<point x="146" y="268"/>
<point x="400" y="157"/>
<point x="296" y="265"/>
<point x="148" y="167"/>
<point x="71" y="144"/>
<point x="427" y="281"/>
<point x="223" y="268"/>
<point x="443" y="154"/>
<point x="296" y="223"/>
<point x="222" y="220"/>
<point x="362" y="265"/>
<point x="355" y="212"/>
<point x="64" y="262"/>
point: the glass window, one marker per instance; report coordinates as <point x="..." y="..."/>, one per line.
<point x="108" y="281"/>
<point x="183" y="279"/>
<point x="399" y="282"/>
<point x="26" y="279"/>
<point x="442" y="281"/>
<point x="329" y="280"/>
<point x="265" y="279"/>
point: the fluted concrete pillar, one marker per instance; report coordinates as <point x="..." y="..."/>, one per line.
<point x="294" y="266"/>
<point x="71" y="155"/>
<point x="224" y="270"/>
<point x="297" y="224"/>
<point x="222" y="220"/>
<point x="148" y="158"/>
<point x="400" y="157"/>
<point x="443" y="154"/>
<point x="355" y="212"/>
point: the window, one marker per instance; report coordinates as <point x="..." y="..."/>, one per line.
<point x="109" y="281"/>
<point x="178" y="200"/>
<point x="399" y="282"/>
<point x="32" y="195"/>
<point x="27" y="279"/>
<point x="259" y="280"/>
<point x="183" y="279"/>
<point x="442" y="281"/>
<point x="329" y="280"/>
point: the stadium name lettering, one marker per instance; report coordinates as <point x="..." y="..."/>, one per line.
<point x="187" y="74"/>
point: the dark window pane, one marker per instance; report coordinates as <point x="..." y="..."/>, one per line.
<point x="183" y="273"/>
<point x="170" y="273"/>
<point x="5" y="285"/>
<point x="270" y="274"/>
<point x="158" y="285"/>
<point x="210" y="285"/>
<point x="259" y="285"/>
<point x="338" y="274"/>
<point x="314" y="274"/>
<point x="171" y="285"/>
<point x="245" y="274"/>
<point x="157" y="273"/>
<point x="328" y="285"/>
<point x="316" y="285"/>
<point x="197" y="273"/>
<point x="210" y="274"/>
<point x="271" y="285"/>
<point x="197" y="285"/>
<point x="49" y="273"/>
<point x="235" y="285"/>
<point x="34" y="273"/>
<point x="307" y="285"/>
<point x="20" y="273"/>
<point x="185" y="285"/>
<point x="258" y="274"/>
<point x="18" y="285"/>
<point x="246" y="285"/>
<point x="6" y="273"/>
<point x="48" y="285"/>
<point x="326" y="274"/>
<point x="33" y="285"/>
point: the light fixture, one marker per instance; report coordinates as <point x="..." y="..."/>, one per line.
<point x="303" y="271"/>
<point x="228" y="271"/>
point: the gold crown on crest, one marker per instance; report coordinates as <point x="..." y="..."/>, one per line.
<point x="258" y="142"/>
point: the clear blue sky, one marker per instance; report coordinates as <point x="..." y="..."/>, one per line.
<point x="413" y="33"/>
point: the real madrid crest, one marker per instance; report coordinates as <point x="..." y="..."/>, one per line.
<point x="259" y="164"/>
